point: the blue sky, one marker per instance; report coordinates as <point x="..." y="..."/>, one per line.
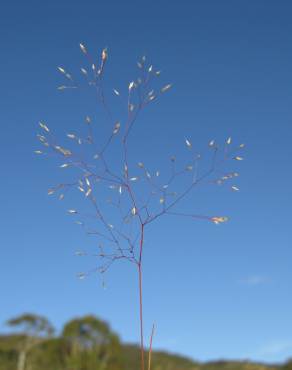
<point x="213" y="291"/>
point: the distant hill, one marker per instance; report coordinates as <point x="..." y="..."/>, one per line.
<point x="168" y="361"/>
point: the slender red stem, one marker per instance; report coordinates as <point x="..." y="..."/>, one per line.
<point x="141" y="298"/>
<point x="150" y="347"/>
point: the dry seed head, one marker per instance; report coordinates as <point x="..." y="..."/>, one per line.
<point x="165" y="88"/>
<point x="238" y="158"/>
<point x="235" y="188"/>
<point x="211" y="143"/>
<point x="43" y="126"/>
<point x="62" y="70"/>
<point x="64" y="165"/>
<point x="83" y="48"/>
<point x="71" y="136"/>
<point x="116" y="92"/>
<point x="189" y="144"/>
<point x="81" y="275"/>
<point x="228" y="141"/>
<point x="116" y="128"/>
<point x="38" y="152"/>
<point x="134" y="211"/>
<point x="131" y="85"/>
<point x="88" y="192"/>
<point x="104" y="54"/>
<point x="83" y="70"/>
<point x="72" y="211"/>
<point x="80" y="253"/>
<point x="219" y="220"/>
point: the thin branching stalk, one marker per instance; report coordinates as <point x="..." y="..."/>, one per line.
<point x="139" y="196"/>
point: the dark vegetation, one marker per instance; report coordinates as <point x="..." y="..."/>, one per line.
<point x="88" y="343"/>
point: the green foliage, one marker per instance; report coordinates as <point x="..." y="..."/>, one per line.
<point x="30" y="324"/>
<point x="287" y="366"/>
<point x="88" y="343"/>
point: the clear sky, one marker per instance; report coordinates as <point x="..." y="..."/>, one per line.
<point x="213" y="291"/>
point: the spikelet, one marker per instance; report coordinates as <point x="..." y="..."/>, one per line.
<point x="88" y="192"/>
<point x="189" y="144"/>
<point x="62" y="70"/>
<point x="83" y="48"/>
<point x="104" y="55"/>
<point x="71" y="136"/>
<point x="165" y="88"/>
<point x="51" y="191"/>
<point x="219" y="220"/>
<point x="211" y="143"/>
<point x="43" y="126"/>
<point x="81" y="275"/>
<point x="116" y="128"/>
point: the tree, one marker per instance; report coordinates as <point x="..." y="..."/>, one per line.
<point x="91" y="344"/>
<point x="33" y="330"/>
<point x="126" y="195"/>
